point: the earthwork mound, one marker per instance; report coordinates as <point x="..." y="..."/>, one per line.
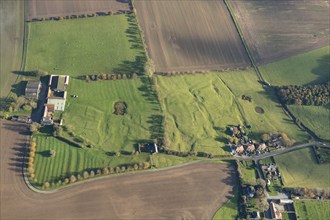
<point x="259" y="110"/>
<point x="120" y="108"/>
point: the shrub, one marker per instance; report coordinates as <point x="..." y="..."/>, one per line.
<point x="136" y="166"/>
<point x="34" y="127"/>
<point x="146" y="165"/>
<point x="105" y="171"/>
<point x="85" y="174"/>
<point x="134" y="76"/>
<point x="73" y="179"/>
<point x="46" y="184"/>
<point x="52" y="153"/>
<point x="66" y="180"/>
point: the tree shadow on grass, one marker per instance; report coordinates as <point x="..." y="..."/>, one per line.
<point x="19" y="88"/>
<point x="322" y="70"/>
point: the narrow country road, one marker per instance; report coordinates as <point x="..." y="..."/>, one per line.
<point x="279" y="152"/>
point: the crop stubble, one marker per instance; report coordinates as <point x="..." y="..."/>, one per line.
<point x="190" y="35"/>
<point x="278" y="29"/>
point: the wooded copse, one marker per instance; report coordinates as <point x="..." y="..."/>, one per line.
<point x="305" y="95"/>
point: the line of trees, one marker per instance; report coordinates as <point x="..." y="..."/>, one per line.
<point x="305" y="95"/>
<point x="30" y="167"/>
<point x="86" y="15"/>
<point x="98" y="172"/>
<point x="110" y="76"/>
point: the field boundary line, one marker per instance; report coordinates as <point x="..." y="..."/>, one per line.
<point x="240" y="33"/>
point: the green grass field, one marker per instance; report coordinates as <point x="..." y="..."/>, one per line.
<point x="300" y="169"/>
<point x="91" y="115"/>
<point x="316" y="118"/>
<point x="11" y="35"/>
<point x="86" y="46"/>
<point x="248" y="172"/>
<point x="228" y="211"/>
<point x="312" y="210"/>
<point x="72" y="160"/>
<point x="198" y="108"/>
<point x="307" y="68"/>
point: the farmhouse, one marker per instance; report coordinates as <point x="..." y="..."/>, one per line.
<point x="56" y="91"/>
<point x="32" y="89"/>
<point x="56" y="97"/>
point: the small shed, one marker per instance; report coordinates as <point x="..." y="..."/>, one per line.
<point x="32" y="89"/>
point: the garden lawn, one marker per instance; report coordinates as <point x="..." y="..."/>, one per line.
<point x="198" y="108"/>
<point x="85" y="46"/>
<point x="316" y="118"/>
<point x="70" y="160"/>
<point x="312" y="209"/>
<point x="300" y="169"/>
<point x="248" y="172"/>
<point x="307" y="68"/>
<point x="91" y="115"/>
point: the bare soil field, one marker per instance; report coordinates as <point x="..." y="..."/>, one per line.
<point x="277" y="29"/>
<point x="190" y="35"/>
<point x="50" y="8"/>
<point x="192" y="191"/>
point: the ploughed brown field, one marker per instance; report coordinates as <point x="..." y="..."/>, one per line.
<point x="190" y="35"/>
<point x="276" y="29"/>
<point x="50" y="8"/>
<point x="192" y="191"/>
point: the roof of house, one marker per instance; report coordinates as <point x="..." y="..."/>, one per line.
<point x="240" y="149"/>
<point x="251" y="147"/>
<point x="58" y="82"/>
<point x="262" y="146"/>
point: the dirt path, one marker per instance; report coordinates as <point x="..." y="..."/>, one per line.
<point x="193" y="191"/>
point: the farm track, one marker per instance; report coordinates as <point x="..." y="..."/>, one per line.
<point x="183" y="192"/>
<point x="192" y="37"/>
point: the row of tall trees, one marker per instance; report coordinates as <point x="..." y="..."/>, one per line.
<point x="105" y="171"/>
<point x="108" y="76"/>
<point x="305" y="95"/>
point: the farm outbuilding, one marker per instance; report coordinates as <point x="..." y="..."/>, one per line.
<point x="32" y="89"/>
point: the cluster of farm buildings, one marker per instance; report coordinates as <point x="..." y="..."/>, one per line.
<point x="56" y="96"/>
